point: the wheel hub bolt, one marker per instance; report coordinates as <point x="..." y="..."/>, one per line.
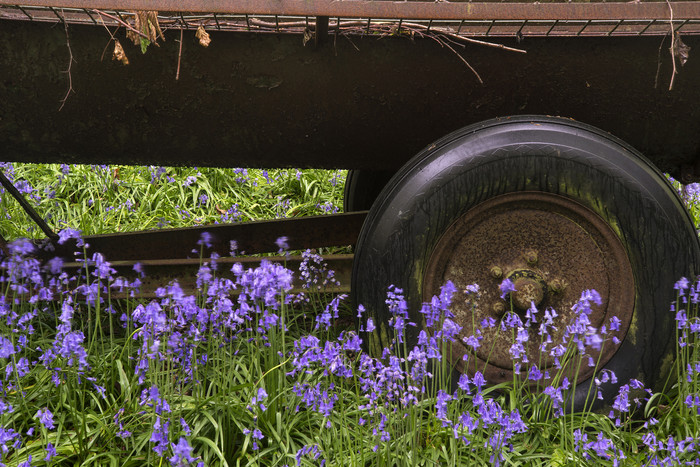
<point x="531" y="257"/>
<point x="557" y="285"/>
<point x="499" y="308"/>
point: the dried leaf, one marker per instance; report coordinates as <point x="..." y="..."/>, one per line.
<point x="680" y="50"/>
<point x="203" y="36"/>
<point x="119" y="54"/>
<point x="145" y="22"/>
<point x="307" y="36"/>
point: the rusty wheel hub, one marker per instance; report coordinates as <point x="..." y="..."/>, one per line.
<point x="552" y="249"/>
<point x="530" y="288"/>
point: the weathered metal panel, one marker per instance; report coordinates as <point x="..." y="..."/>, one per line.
<point x="266" y="100"/>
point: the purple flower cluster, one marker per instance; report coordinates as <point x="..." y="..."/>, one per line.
<point x="176" y="336"/>
<point x="393" y="382"/>
<point x="314" y="272"/>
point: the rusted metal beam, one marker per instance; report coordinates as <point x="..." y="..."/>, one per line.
<point x="251" y="238"/>
<point x="159" y="273"/>
<point x="399" y="10"/>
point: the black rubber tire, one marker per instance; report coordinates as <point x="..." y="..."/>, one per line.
<point x="545" y="154"/>
<point x="362" y="187"/>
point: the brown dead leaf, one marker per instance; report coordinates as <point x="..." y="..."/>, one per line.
<point x="119" y="54"/>
<point x="680" y="50"/>
<point x="147" y="23"/>
<point x="203" y="36"/>
<point x="307" y="36"/>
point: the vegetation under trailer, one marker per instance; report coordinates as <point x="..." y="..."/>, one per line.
<point x="556" y="204"/>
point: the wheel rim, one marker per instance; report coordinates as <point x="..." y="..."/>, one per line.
<point x="552" y="249"/>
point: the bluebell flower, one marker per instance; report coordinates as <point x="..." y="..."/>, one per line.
<point x="159" y="435"/>
<point x="370" y="325"/>
<point x="445" y="297"/>
<point x="488" y="322"/>
<point x="67" y="234"/>
<point x="478" y="380"/>
<point x="310" y="450"/>
<point x="601" y="446"/>
<point x="681" y="285"/>
<point x="256" y="434"/>
<point x="71" y="348"/>
<point x="681" y="319"/>
<point x="205" y="240"/>
<point x="441" y="406"/>
<point x="615" y="323"/>
<point x="182" y="453"/>
<point x="506" y="287"/>
<point x="50" y="452"/>
<point x="353" y="342"/>
<point x="471" y="341"/>
<point x="185" y="427"/>
<point x="7" y="436"/>
<point x="45" y="417"/>
<point x="534" y="374"/>
<point x="282" y="244"/>
<point x="6" y="347"/>
<point x="5" y="407"/>
<point x="21" y="247"/>
<point x="472" y="289"/>
<point x="463" y="383"/>
<point x="103" y="269"/>
<point x="55" y="265"/>
<point x="258" y="399"/>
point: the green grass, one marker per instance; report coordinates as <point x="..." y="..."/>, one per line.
<point x="101" y="199"/>
<point x="132" y="382"/>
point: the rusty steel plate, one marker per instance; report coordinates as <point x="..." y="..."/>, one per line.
<point x="552" y="249"/>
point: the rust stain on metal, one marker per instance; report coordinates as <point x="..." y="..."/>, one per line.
<point x="574" y="246"/>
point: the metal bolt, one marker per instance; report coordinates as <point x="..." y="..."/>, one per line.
<point x="557" y="285"/>
<point x="499" y="308"/>
<point x="531" y="257"/>
<point x="496" y="272"/>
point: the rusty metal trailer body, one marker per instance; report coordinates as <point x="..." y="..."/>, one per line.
<point x="451" y="98"/>
<point x="259" y="97"/>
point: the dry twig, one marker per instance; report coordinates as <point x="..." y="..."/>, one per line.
<point x="387" y="28"/>
<point x="673" y="47"/>
<point x="70" y="65"/>
<point x="179" y="56"/>
<point x="444" y="42"/>
<point x="123" y="23"/>
<point x="679" y="51"/>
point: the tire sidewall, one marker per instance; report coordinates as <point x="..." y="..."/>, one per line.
<point x="547" y="155"/>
